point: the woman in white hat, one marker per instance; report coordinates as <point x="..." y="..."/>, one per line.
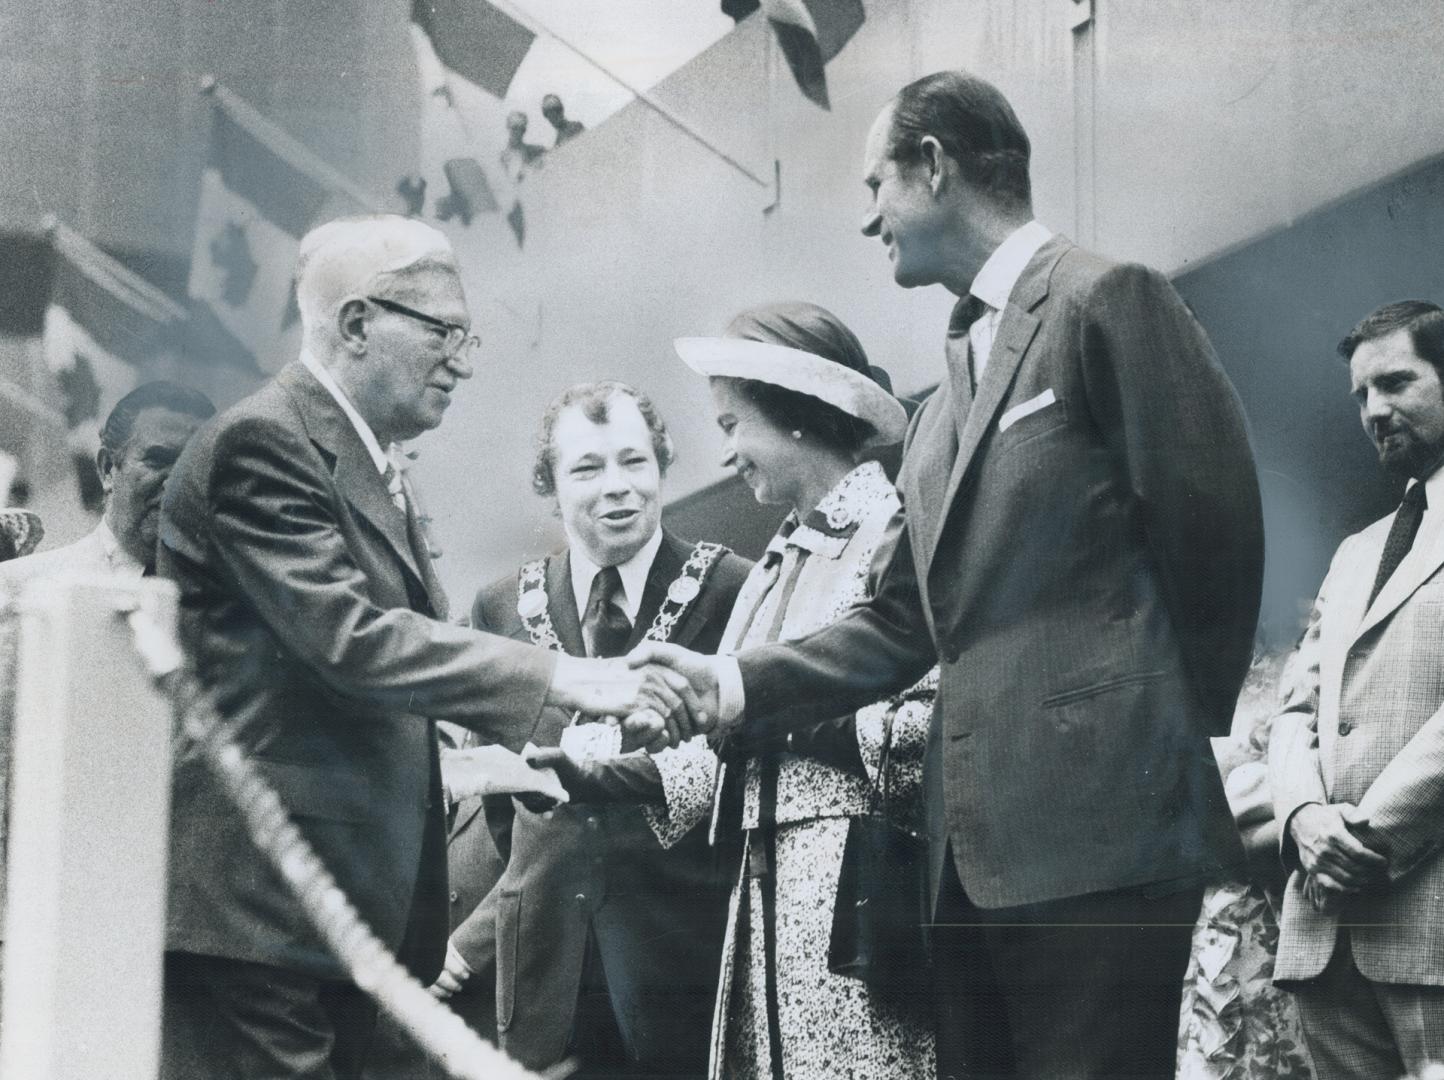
<point x="798" y="405"/>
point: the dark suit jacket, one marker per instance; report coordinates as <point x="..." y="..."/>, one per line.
<point x="658" y="916"/>
<point x="1083" y="556"/>
<point x="309" y="621"/>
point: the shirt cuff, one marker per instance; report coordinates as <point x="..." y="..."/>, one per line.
<point x="731" y="699"/>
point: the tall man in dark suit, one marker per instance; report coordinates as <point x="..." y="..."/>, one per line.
<point x="1357" y="754"/>
<point x="315" y="620"/>
<point x="601" y="943"/>
<point x="1082" y="556"/>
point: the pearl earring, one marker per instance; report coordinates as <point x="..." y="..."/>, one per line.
<point x="796" y="434"/>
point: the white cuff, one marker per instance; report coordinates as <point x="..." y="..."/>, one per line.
<point x="731" y="698"/>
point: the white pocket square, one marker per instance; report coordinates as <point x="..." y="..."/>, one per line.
<point x="1027" y="408"/>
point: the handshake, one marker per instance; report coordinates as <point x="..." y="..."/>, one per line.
<point x="660" y="694"/>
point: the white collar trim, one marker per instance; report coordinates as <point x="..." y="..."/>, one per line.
<point x="117" y="558"/>
<point x="633" y="573"/>
<point x="995" y="281"/>
<point x="363" y="429"/>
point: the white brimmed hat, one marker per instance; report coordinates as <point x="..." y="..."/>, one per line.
<point x="853" y="389"/>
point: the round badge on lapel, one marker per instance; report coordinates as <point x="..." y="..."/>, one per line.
<point x="684" y="590"/>
<point x="839" y="517"/>
<point x="531" y="603"/>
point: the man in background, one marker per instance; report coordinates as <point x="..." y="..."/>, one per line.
<point x="597" y="941"/>
<point x="556" y="116"/>
<point x="142" y="438"/>
<point x="1357" y="754"/>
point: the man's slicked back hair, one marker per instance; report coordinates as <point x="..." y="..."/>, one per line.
<point x="976" y="127"/>
<point x="160" y="394"/>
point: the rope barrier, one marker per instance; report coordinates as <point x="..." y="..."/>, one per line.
<point x="438" y="1030"/>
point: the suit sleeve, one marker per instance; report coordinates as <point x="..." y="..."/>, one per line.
<point x="878" y="648"/>
<point x="1169" y="413"/>
<point x="475" y="936"/>
<point x="274" y="521"/>
<point x="1294" y="771"/>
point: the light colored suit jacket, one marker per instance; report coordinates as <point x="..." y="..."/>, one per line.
<point x="1363" y="723"/>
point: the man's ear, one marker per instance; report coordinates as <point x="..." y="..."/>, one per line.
<point x="105" y="465"/>
<point x="351" y="325"/>
<point x="935" y="161"/>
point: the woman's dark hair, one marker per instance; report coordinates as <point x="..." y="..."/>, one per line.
<point x="815" y="418"/>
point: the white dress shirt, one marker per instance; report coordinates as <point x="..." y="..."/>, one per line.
<point x="994" y="284"/>
<point x="633" y="573"/>
<point x="379" y="457"/>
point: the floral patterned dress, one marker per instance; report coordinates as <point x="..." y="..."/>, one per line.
<point x="829" y="1026"/>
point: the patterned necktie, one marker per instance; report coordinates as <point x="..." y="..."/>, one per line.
<point x="605" y="627"/>
<point x="1401" y="535"/>
<point x="392" y="479"/>
<point x="416" y="538"/>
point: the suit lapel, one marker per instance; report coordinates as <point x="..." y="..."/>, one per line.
<point x="1423" y="560"/>
<point x="464" y="815"/>
<point x="353" y="470"/>
<point x="563" y="605"/>
<point x="1016" y="330"/>
<point x="928" y="463"/>
<point x="665" y="567"/>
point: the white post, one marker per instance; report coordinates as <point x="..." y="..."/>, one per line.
<point x="89" y="821"/>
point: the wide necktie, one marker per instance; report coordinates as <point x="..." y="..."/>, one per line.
<point x="1401" y="535"/>
<point x="605" y="626"/>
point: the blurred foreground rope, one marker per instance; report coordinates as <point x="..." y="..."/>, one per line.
<point x="438" y="1030"/>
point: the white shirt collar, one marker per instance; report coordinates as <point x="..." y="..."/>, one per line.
<point x="995" y="281"/>
<point x="363" y="429"/>
<point x="120" y="561"/>
<point x="633" y="573"/>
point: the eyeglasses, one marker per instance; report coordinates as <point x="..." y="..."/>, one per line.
<point x="459" y="341"/>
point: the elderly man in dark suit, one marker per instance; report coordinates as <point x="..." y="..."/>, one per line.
<point x="600" y="943"/>
<point x="316" y="622"/>
<point x="1083" y="557"/>
<point x="1357" y="754"/>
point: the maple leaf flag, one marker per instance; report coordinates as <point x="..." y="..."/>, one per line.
<point x="261" y="191"/>
<point x="103" y="324"/>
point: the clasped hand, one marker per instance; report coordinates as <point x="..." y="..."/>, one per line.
<point x="1338" y="864"/>
<point x="666" y="694"/>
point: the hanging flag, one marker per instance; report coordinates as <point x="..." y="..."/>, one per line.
<point x="461" y="125"/>
<point x="103" y="325"/>
<point x="260" y="193"/>
<point x="810" y="33"/>
<point x="480" y="43"/>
